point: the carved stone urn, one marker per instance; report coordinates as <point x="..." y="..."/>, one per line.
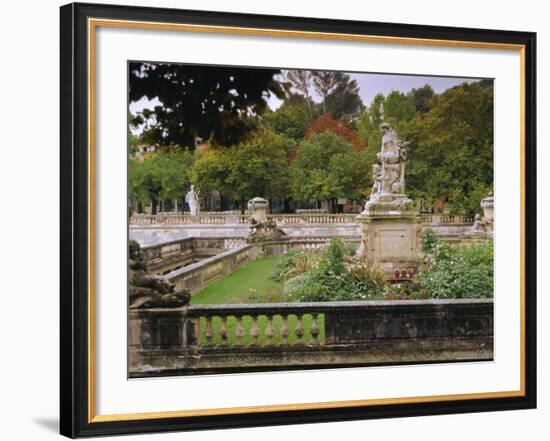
<point x="258" y="209"/>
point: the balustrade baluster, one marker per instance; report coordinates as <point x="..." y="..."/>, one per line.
<point x="314" y="329"/>
<point x="254" y="330"/>
<point x="223" y="330"/>
<point x="239" y="330"/>
<point x="269" y="333"/>
<point x="208" y="331"/>
<point x="299" y="331"/>
<point x="284" y="329"/>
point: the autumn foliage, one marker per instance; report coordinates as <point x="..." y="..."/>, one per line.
<point x="339" y="127"/>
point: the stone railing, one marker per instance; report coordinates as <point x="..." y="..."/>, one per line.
<point x="447" y="219"/>
<point x="280" y="219"/>
<point x="168" y="255"/>
<point x="198" y="275"/>
<point x="185" y="219"/>
<point x="233" y="337"/>
<point x="239" y="219"/>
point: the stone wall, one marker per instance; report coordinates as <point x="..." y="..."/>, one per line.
<point x="354" y="334"/>
<point x="197" y="276"/>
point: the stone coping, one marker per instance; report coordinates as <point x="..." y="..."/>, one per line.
<point x="320" y="305"/>
<point x="204" y="262"/>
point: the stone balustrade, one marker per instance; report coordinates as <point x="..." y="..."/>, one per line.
<point x="280" y="219"/>
<point x="236" y="337"/>
<point x="447" y="219"/>
<point x="239" y="219"/>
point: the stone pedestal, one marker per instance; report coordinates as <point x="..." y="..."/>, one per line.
<point x="390" y="233"/>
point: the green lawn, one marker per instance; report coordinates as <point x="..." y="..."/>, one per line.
<point x="251" y="284"/>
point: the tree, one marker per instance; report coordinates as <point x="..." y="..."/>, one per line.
<point x="398" y="108"/>
<point x="422" y="98"/>
<point x="451" y="148"/>
<point x="344" y="100"/>
<point x="162" y="176"/>
<point x="255" y="167"/>
<point x="324" y="82"/>
<point x="328" y="167"/>
<point x="290" y="121"/>
<point x="210" y="172"/>
<point x="339" y="127"/>
<point x="219" y="104"/>
<point x="302" y="81"/>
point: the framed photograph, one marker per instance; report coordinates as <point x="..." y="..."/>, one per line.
<point x="274" y="220"/>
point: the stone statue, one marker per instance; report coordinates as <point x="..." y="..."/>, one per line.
<point x="381" y="111"/>
<point x="478" y="226"/>
<point x="389" y="174"/>
<point x="261" y="228"/>
<point x="192" y="198"/>
<point x="149" y="291"/>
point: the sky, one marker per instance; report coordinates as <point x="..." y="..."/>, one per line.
<point x="370" y="84"/>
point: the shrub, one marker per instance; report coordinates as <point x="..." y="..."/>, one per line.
<point x="459" y="272"/>
<point x="370" y="281"/>
<point x="329" y="280"/>
<point x="295" y="283"/>
<point x="293" y="263"/>
<point x="429" y="240"/>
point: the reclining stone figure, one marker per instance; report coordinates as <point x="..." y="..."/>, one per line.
<point x="150" y="291"/>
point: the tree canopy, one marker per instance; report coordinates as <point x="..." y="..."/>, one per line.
<point x="326" y="167"/>
<point x="318" y="145"/>
<point x="258" y="166"/>
<point x="219" y="105"/>
<point x="451" y="148"/>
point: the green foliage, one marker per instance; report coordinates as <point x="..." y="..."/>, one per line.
<point x="329" y="280"/>
<point x="429" y="241"/>
<point x="451" y="148"/>
<point x="370" y="281"/>
<point x="210" y="171"/>
<point x="398" y="108"/>
<point x="422" y="98"/>
<point x="295" y="284"/>
<point x="197" y="101"/>
<point x="344" y="100"/>
<point x="290" y="121"/>
<point x="161" y="176"/>
<point x="328" y="167"/>
<point x="293" y="263"/>
<point x="459" y="272"/>
<point x="257" y="166"/>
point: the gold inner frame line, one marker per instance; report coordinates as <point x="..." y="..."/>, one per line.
<point x="92" y="25"/>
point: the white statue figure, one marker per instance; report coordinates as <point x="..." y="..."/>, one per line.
<point x="381" y="111"/>
<point x="192" y="198"/>
<point x="388" y="190"/>
<point x="392" y="157"/>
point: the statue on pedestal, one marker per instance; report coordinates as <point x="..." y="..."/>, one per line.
<point x="388" y="190"/>
<point x="262" y="228"/>
<point x="192" y="198"/>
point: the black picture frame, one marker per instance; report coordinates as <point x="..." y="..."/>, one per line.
<point x="77" y="419"/>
